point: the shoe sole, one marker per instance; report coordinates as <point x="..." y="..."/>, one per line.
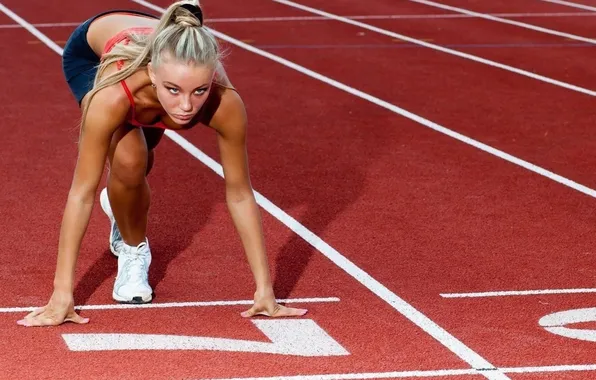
<point x="107" y="209"/>
<point x="134" y="301"/>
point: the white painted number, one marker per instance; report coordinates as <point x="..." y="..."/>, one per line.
<point x="556" y="322"/>
<point x="288" y="337"/>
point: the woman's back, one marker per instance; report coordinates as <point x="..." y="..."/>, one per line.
<point x="106" y="27"/>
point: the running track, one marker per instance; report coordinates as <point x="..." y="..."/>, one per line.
<point x="422" y="213"/>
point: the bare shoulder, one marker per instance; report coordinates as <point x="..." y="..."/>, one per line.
<point x="108" y="108"/>
<point x="227" y="113"/>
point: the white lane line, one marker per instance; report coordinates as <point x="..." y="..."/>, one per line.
<point x="423" y="374"/>
<point x="368" y="375"/>
<point x="46" y="25"/>
<point x="426" y="324"/>
<point x="42" y="37"/>
<point x="509" y="293"/>
<point x="572" y="4"/>
<point x="440" y="48"/>
<point x="398" y="17"/>
<point x="321" y="18"/>
<point x="553" y="368"/>
<point x="355" y="17"/>
<point x="505" y="21"/>
<point x="166" y="305"/>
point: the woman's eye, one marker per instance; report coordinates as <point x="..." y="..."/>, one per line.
<point x="173" y="90"/>
<point x="200" y="92"/>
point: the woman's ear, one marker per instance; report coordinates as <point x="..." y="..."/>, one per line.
<point x="151" y="72"/>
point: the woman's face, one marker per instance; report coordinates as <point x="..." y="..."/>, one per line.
<point x="182" y="88"/>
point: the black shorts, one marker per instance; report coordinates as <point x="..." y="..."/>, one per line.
<point x="79" y="61"/>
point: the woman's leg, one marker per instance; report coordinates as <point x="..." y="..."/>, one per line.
<point x="128" y="190"/>
<point x="127" y="196"/>
<point x="131" y="158"/>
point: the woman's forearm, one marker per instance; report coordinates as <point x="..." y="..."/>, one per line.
<point x="247" y="220"/>
<point x="74" y="224"/>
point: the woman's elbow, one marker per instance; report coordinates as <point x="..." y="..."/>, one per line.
<point x="238" y="194"/>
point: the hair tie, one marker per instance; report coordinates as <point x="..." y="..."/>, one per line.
<point x="196" y="11"/>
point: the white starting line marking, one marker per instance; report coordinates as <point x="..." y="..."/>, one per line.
<point x="422" y="374"/>
<point x="288" y="337"/>
<point x="518" y="293"/>
<point x="173" y="304"/>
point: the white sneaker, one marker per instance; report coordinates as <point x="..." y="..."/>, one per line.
<point x="116" y="240"/>
<point x="132" y="285"/>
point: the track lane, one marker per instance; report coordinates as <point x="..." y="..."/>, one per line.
<point x="578" y="25"/>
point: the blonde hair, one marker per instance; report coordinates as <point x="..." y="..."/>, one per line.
<point x="180" y="33"/>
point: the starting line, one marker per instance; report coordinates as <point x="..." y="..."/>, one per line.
<point x="173" y="304"/>
<point x="422" y="374"/>
<point x="302" y="337"/>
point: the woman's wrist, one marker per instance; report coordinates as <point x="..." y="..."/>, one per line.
<point x="63" y="286"/>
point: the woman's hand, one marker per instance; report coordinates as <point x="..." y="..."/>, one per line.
<point x="266" y="305"/>
<point x="60" y="309"/>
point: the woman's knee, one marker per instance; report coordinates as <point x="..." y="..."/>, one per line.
<point x="129" y="169"/>
<point x="130" y="159"/>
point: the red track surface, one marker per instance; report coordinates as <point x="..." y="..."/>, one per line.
<point x="422" y="213"/>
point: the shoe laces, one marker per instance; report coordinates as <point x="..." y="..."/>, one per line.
<point x="135" y="263"/>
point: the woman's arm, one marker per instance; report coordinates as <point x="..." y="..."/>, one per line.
<point x="106" y="112"/>
<point x="230" y="121"/>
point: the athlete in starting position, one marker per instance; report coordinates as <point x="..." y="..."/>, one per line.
<point x="134" y="76"/>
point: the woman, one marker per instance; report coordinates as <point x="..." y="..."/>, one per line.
<point x="134" y="76"/>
